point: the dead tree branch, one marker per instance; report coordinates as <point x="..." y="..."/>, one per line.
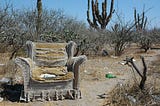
<point x="143" y="76"/>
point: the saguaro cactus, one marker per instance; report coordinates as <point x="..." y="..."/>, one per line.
<point x="140" y="21"/>
<point x="39" y="18"/>
<point x="99" y="19"/>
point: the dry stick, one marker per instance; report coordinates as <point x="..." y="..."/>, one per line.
<point x="144" y="74"/>
<point x="135" y="79"/>
<point x="143" y="77"/>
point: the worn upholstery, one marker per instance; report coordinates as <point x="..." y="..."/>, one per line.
<point x="50" y="58"/>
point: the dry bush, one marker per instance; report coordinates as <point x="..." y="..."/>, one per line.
<point x="7" y="67"/>
<point x="155" y="66"/>
<point x="10" y="69"/>
<point x="129" y="94"/>
<point x="4" y="57"/>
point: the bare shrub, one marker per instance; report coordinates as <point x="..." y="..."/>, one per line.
<point x="18" y="26"/>
<point x="10" y="69"/>
<point x="121" y="36"/>
<point x="129" y="94"/>
<point x="155" y="36"/>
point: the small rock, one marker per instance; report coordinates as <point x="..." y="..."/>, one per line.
<point x="131" y="98"/>
<point x="1" y="99"/>
<point x="102" y="96"/>
<point x="104" y="52"/>
<point x="2" y="64"/>
<point x="115" y="57"/>
<point x="106" y="68"/>
<point x="5" y="80"/>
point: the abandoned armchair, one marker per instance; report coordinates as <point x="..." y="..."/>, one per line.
<point x="51" y="72"/>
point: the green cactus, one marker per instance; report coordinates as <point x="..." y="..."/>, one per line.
<point x="140" y="21"/>
<point x="99" y="19"/>
<point x="39" y="19"/>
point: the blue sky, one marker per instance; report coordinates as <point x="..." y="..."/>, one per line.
<point x="77" y="8"/>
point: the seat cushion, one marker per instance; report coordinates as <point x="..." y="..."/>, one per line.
<point x="46" y="74"/>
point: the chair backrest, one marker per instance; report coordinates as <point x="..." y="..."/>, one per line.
<point x="47" y="54"/>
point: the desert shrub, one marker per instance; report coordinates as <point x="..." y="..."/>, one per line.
<point x="10" y="69"/>
<point x="18" y="26"/>
<point x="144" y="40"/>
<point x="155" y="35"/>
<point x="129" y="94"/>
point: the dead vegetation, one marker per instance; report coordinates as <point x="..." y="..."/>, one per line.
<point x="7" y="66"/>
<point x="129" y="94"/>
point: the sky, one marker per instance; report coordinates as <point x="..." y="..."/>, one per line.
<point x="78" y="8"/>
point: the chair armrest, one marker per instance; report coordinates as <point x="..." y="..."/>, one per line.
<point x="77" y="61"/>
<point x="73" y="63"/>
<point x="25" y="64"/>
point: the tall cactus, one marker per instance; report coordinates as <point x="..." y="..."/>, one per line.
<point x="39" y="19"/>
<point x="140" y="21"/>
<point x="99" y="19"/>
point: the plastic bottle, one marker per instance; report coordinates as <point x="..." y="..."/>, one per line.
<point x="110" y="76"/>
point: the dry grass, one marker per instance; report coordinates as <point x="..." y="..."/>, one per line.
<point x="155" y="66"/>
<point x="5" y="64"/>
<point x="9" y="69"/>
<point x="4" y="58"/>
<point x="129" y="94"/>
<point x="154" y="73"/>
<point x="58" y="71"/>
<point x="50" y="45"/>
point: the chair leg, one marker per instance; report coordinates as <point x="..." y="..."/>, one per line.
<point x="27" y="97"/>
<point x="75" y="94"/>
<point x="48" y="96"/>
<point x="80" y="95"/>
<point x="42" y="96"/>
<point x="56" y="95"/>
<point x="61" y="95"/>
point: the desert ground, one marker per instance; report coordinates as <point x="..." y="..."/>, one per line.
<point x="94" y="84"/>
